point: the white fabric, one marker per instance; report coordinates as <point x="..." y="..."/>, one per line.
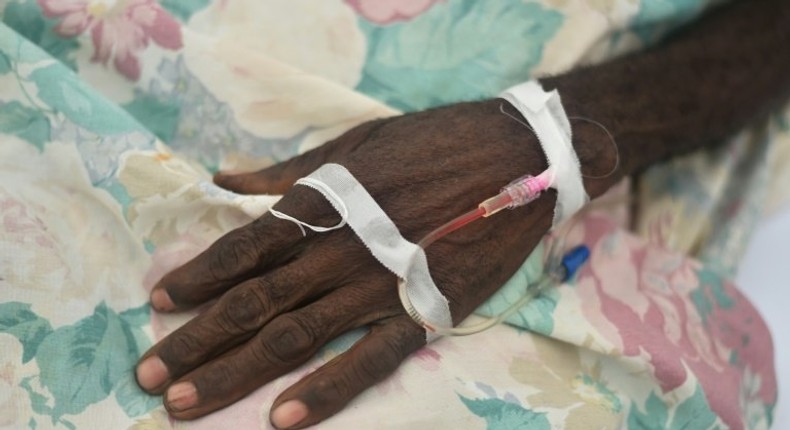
<point x="377" y="231"/>
<point x="544" y="112"/>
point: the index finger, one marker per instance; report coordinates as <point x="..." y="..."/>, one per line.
<point x="266" y="243"/>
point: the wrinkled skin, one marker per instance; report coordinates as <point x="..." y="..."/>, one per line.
<point x="283" y="296"/>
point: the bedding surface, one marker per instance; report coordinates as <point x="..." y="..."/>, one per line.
<point x="114" y="115"/>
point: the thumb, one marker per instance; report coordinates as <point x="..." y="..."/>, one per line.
<point x="278" y="179"/>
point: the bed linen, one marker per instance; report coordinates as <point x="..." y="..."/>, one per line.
<point x="114" y="114"/>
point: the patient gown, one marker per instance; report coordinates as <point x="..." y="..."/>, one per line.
<point x="115" y="113"/>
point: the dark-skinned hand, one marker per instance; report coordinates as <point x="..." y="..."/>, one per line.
<point x="283" y="296"/>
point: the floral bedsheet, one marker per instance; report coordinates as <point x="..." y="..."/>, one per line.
<point x="114" y="113"/>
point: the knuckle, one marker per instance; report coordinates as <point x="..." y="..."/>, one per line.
<point x="288" y="340"/>
<point x="375" y="364"/>
<point x="222" y="377"/>
<point x="242" y="310"/>
<point x="181" y="351"/>
<point x="331" y="389"/>
<point x="409" y="335"/>
<point x="278" y="294"/>
<point x="234" y="253"/>
<point x="279" y="286"/>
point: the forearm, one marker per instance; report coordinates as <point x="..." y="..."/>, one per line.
<point x="705" y="83"/>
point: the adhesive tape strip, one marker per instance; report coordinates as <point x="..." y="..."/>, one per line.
<point x="544" y="112"/>
<point x="377" y="231"/>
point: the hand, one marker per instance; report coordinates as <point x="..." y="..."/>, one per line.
<point x="283" y="296"/>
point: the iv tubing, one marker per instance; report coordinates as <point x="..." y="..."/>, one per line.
<point x="451" y="226"/>
<point x="518" y="193"/>
<point x="532" y="291"/>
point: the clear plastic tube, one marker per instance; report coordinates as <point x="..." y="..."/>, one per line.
<point x="518" y="193"/>
<point x="533" y="290"/>
<point x="451" y="226"/>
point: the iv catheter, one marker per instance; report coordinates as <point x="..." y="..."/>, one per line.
<point x="558" y="268"/>
<point x="547" y="119"/>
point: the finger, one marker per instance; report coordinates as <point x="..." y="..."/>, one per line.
<point x="278" y="179"/>
<point x="237" y="316"/>
<point x="282" y="345"/>
<point x="232" y="320"/>
<point x="329" y="389"/>
<point x="263" y="244"/>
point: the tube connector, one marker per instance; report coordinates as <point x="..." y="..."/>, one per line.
<point x="573" y="260"/>
<point x="517" y="193"/>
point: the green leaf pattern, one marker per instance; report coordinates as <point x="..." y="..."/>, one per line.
<point x="659" y="414"/>
<point x="502" y="415"/>
<point x="477" y="48"/>
<point x="26" y="19"/>
<point x="27" y="123"/>
<point x="83" y="363"/>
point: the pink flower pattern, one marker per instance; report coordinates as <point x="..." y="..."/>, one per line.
<point x="17" y="224"/>
<point x="651" y="305"/>
<point x="119" y="30"/>
<point x="389" y="11"/>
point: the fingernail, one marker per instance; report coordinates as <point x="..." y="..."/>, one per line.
<point x="152" y="373"/>
<point x="182" y="396"/>
<point x="161" y="301"/>
<point x="289" y="414"/>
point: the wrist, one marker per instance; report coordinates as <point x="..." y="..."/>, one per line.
<point x="599" y="156"/>
<point x="603" y="160"/>
<point x="601" y="163"/>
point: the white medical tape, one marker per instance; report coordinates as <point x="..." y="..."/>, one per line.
<point x="377" y="231"/>
<point x="340" y="207"/>
<point x="544" y="112"/>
